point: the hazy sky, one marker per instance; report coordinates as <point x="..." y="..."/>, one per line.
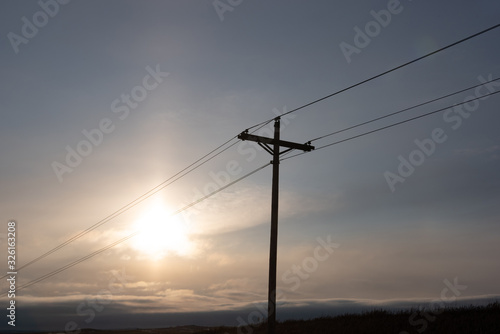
<point x="103" y="100"/>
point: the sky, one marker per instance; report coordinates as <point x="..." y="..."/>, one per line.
<point x="102" y="101"/>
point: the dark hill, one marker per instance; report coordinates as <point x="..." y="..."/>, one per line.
<point x="462" y="320"/>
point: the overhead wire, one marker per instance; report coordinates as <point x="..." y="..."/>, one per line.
<point x="190" y="168"/>
<point x="82" y="259"/>
<point x="384" y="73"/>
<point x="198" y="163"/>
<point x="398" y="112"/>
<point x="390" y="125"/>
<point x="260" y="125"/>
<point x="74" y="263"/>
<point x="187" y="170"/>
<point x="404" y="110"/>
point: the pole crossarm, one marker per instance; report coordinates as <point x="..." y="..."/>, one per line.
<point x="264" y="140"/>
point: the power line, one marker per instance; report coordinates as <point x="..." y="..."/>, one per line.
<point x="140" y="199"/>
<point x="136" y="201"/>
<point x="391" y="125"/>
<point x="397" y="112"/>
<point x="383" y="73"/>
<point x="159" y="187"/>
<point x="76" y="262"/>
<point x="198" y="162"/>
<point x="404" y="110"/>
<point x="220" y="189"/>
<point x="260" y="125"/>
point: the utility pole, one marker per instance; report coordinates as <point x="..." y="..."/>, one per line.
<point x="273" y="252"/>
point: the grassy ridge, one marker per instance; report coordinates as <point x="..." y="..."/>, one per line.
<point x="460" y="320"/>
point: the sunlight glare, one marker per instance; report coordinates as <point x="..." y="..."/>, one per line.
<point x="162" y="234"/>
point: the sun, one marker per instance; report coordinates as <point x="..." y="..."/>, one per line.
<point x="161" y="234"/>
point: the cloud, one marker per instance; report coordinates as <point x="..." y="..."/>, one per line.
<point x="155" y="313"/>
